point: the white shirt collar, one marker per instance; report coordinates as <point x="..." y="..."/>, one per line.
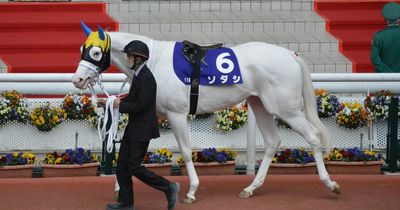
<point x="139" y="69"/>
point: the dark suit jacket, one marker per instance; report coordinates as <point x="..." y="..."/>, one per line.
<point x="140" y="104"/>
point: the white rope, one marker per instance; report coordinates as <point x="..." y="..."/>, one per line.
<point x="113" y="130"/>
<point x="109" y="110"/>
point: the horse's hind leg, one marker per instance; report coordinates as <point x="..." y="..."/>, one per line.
<point x="300" y="124"/>
<point x="180" y="128"/>
<point x="272" y="141"/>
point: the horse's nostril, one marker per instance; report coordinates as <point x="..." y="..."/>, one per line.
<point x="80" y="79"/>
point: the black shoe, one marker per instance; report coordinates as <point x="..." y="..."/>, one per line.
<point x="120" y="206"/>
<point x="172" y="195"/>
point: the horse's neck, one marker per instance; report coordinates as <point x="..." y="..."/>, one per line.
<point x="119" y="40"/>
<point x="158" y="50"/>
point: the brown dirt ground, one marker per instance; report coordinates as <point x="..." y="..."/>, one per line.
<point x="364" y="192"/>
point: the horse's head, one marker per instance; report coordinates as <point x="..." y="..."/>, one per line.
<point x="95" y="57"/>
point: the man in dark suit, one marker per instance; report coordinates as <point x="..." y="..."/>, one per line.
<point x="140" y="104"/>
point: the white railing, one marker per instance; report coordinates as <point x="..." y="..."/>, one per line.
<point x="55" y="84"/>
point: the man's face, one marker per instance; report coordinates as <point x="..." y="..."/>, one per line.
<point x="134" y="61"/>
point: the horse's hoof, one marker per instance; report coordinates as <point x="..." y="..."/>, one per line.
<point x="245" y="194"/>
<point x="336" y="188"/>
<point x="188" y="200"/>
<point x="116" y="196"/>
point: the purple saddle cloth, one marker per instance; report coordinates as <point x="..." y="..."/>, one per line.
<point x="220" y="67"/>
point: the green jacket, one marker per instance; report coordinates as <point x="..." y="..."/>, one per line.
<point x="385" y="50"/>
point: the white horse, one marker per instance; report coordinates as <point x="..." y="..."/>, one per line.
<point x="276" y="82"/>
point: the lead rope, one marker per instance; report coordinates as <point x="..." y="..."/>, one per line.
<point x="109" y="109"/>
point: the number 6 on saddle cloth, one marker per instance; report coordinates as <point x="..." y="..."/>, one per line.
<point x="205" y="65"/>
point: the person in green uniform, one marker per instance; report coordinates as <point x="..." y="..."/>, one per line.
<point x="385" y="49"/>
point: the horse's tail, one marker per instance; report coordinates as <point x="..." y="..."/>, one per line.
<point x="310" y="104"/>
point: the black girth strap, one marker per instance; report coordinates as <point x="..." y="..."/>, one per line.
<point x="195" y="54"/>
<point x="195" y="80"/>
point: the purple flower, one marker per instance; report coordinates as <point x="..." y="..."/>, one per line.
<point x="80" y="150"/>
<point x="221" y="157"/>
<point x="157" y="158"/>
<point x="9" y="157"/>
<point x="212" y="155"/>
<point x="69" y="152"/>
<point x="356" y="151"/>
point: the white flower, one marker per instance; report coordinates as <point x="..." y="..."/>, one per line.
<point x="347" y="111"/>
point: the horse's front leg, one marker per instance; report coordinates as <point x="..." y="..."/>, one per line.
<point x="179" y="126"/>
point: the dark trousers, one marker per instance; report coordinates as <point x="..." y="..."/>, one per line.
<point x="130" y="159"/>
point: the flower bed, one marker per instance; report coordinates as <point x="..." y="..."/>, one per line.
<point x="294" y="156"/>
<point x="352" y="115"/>
<point x="212" y="161"/>
<point x="231" y="118"/>
<point x="79" y="107"/>
<point x="160" y="156"/>
<point x="159" y="161"/>
<point x="353" y="161"/>
<point x="12" y="108"/>
<point x="292" y="161"/>
<point x="17" y="165"/>
<point x="45" y="118"/>
<point x="378" y="105"/>
<point x="76" y="162"/>
<point x="327" y="104"/>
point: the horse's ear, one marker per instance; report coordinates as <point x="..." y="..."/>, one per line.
<point x="102" y="36"/>
<point x="86" y="29"/>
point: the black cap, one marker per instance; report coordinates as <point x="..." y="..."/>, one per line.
<point x="138" y="48"/>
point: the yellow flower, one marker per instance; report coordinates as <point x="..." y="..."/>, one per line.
<point x="31" y="158"/>
<point x="327" y="158"/>
<point x="180" y="160"/>
<point x="165" y="152"/>
<point x="231" y="114"/>
<point x="339" y="156"/>
<point x="41" y="119"/>
<point x="311" y="153"/>
<point x="367" y="152"/>
<point x="15" y="154"/>
<point x="58" y="160"/>
<point x="231" y="153"/>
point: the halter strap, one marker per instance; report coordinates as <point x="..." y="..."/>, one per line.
<point x="89" y="66"/>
